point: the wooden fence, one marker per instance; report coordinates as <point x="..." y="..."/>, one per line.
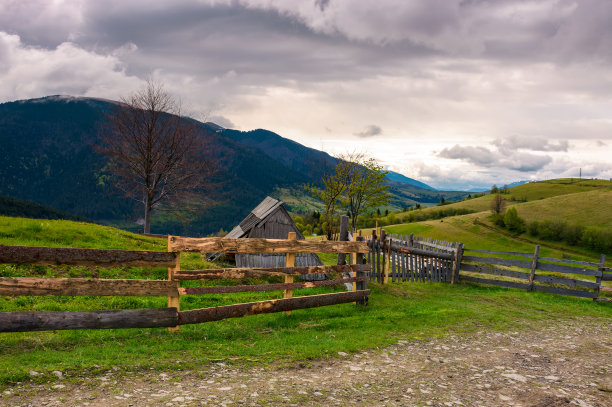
<point x="411" y="258"/>
<point x="171" y="316"/>
<point x="532" y="272"/>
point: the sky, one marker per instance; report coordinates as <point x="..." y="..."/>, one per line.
<point x="458" y="94"/>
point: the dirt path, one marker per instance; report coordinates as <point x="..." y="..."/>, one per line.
<point x="562" y="365"/>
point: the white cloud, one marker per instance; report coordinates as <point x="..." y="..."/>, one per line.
<point x="29" y="72"/>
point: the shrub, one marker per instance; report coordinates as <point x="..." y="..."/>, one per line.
<point x="572" y="234"/>
<point x="498" y="219"/>
<point x="551" y="229"/>
<point x="513" y="222"/>
<point x="597" y="239"/>
<point x="533" y="228"/>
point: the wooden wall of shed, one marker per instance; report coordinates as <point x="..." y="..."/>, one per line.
<point x="278" y="225"/>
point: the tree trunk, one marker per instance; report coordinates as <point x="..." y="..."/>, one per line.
<point x="147" y="219"/>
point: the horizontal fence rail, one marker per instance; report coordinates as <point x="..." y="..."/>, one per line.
<point x="232" y="273"/>
<point x="229" y="245"/>
<point x="25" y="286"/>
<point x="262" y="307"/>
<point x="84" y="257"/>
<point x="63" y="320"/>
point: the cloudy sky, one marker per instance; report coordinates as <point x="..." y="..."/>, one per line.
<point x="455" y="93"/>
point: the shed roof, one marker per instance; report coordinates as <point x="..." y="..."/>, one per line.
<point x="257" y="215"/>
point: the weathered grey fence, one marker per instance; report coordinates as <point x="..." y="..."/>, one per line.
<point x="532" y="272"/>
<point x="411" y="258"/>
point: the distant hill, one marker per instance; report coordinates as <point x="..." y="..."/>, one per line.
<point x="25" y="209"/>
<point x="394" y="176"/>
<point x="47" y="158"/>
<point x="582" y="202"/>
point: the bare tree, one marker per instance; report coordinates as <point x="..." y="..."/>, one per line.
<point x="498" y="204"/>
<point x="158" y="157"/>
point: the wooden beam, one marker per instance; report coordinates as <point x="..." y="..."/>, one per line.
<point x="265" y="287"/>
<point x="457" y="263"/>
<point x="84" y="257"/>
<point x="235" y="273"/>
<point x="57" y="320"/>
<point x="362" y="285"/>
<point x="229" y="245"/>
<point x="420" y="252"/>
<point x="602" y="265"/>
<point x="354" y="261"/>
<point x="197" y="316"/>
<point x="289" y="262"/>
<point x="174" y="301"/>
<point x="16" y="286"/>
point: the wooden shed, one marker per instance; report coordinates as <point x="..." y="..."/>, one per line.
<point x="269" y="220"/>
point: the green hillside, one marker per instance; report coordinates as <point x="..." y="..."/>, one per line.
<point x="590" y="208"/>
<point x="64" y="233"/>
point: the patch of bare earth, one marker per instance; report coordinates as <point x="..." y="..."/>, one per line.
<point x="566" y="364"/>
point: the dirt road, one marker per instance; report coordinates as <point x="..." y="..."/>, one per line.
<point x="565" y="364"/>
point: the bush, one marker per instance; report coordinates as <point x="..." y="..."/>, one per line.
<point x="533" y="228"/>
<point x="572" y="234"/>
<point x="513" y="222"/>
<point x="597" y="239"/>
<point x="551" y="229"/>
<point x="498" y="219"/>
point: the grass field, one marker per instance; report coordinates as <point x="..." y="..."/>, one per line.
<point x="413" y="311"/>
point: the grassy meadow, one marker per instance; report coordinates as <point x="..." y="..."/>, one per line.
<point x="411" y="311"/>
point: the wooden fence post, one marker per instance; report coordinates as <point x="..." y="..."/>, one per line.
<point x="289" y="262"/>
<point x="457" y="267"/>
<point x="344" y="221"/>
<point x="383" y="248"/>
<point x="534" y="265"/>
<point x="361" y="285"/>
<point x="354" y="261"/>
<point x="174" y="301"/>
<point x="388" y="264"/>
<point x="602" y="265"/>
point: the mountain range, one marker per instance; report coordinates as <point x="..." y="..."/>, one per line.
<point x="47" y="157"/>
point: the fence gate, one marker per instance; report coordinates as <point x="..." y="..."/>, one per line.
<point x="412" y="258"/>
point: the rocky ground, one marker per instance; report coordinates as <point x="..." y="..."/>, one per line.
<point x="566" y="364"/>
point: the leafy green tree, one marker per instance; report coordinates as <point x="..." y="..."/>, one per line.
<point x="366" y="185"/>
<point x="330" y="192"/>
